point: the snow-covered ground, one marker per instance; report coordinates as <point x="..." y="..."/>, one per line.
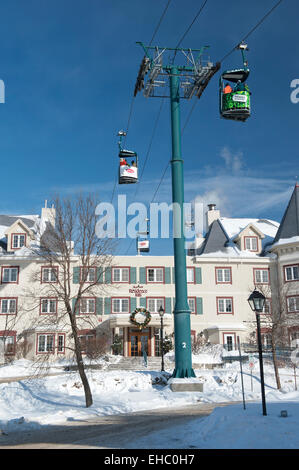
<point x="29" y="404"/>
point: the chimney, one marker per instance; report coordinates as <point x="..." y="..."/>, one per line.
<point x="49" y="213"/>
<point x="212" y="214"/>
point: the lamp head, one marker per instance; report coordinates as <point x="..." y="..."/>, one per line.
<point x="256" y="301"/>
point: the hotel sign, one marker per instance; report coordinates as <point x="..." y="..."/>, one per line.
<point x="138" y="291"/>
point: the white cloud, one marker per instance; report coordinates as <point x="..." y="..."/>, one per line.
<point x="233" y="161"/>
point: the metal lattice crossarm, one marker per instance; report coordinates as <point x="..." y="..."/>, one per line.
<point x="194" y="74"/>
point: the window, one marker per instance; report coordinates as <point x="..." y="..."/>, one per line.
<point x="9" y="342"/>
<point x="250" y="243"/>
<point x="292" y="273"/>
<point x="61" y="343"/>
<point x="45" y="343"/>
<point x="8" y="306"/>
<point x="10" y="274"/>
<point x="293" y="304"/>
<point x="223" y="276"/>
<point x="192" y="304"/>
<point x="18" y="240"/>
<point x="88" y="274"/>
<point x="153" y="304"/>
<point x="120" y="274"/>
<point x="261" y="276"/>
<point x="157" y="342"/>
<point x="155" y="274"/>
<point x="267" y="307"/>
<point x="229" y="340"/>
<point x="88" y="305"/>
<point x="190" y="275"/>
<point x="121" y="305"/>
<point x="48" y="305"/>
<point x="87" y="341"/>
<point x="49" y="274"/>
<point x="224" y="305"/>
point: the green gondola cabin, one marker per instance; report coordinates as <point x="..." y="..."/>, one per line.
<point x="234" y="94"/>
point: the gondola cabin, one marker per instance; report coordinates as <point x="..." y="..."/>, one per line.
<point x="234" y="95"/>
<point x="128" y="167"/>
<point x="143" y="246"/>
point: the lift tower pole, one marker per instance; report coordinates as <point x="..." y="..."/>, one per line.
<point x="196" y="74"/>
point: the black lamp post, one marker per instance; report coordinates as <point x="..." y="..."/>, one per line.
<point x="257" y="301"/>
<point x="161" y="313"/>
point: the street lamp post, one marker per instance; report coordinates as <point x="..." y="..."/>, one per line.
<point x="257" y="301"/>
<point x="161" y="313"/>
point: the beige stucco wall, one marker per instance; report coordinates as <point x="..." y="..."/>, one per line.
<point x="29" y="290"/>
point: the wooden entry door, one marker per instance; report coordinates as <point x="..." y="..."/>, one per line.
<point x="139" y="341"/>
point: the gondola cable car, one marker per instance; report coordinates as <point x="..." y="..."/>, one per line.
<point x="128" y="163"/>
<point x="235" y="97"/>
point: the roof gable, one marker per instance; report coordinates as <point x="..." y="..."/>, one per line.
<point x="253" y="228"/>
<point x="19" y="223"/>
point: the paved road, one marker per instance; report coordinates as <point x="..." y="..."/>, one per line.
<point x="107" y="432"/>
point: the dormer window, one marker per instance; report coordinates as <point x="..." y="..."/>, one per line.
<point x="18" y="240"/>
<point x="251" y="243"/>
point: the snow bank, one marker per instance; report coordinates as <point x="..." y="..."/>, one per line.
<point x="30" y="404"/>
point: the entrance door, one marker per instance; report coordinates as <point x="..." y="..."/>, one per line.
<point x="229" y="341"/>
<point x="138" y="342"/>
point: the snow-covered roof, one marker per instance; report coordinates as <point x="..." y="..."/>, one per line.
<point x="220" y="240"/>
<point x="234" y="226"/>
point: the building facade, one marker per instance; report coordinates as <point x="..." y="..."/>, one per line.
<point x="223" y="267"/>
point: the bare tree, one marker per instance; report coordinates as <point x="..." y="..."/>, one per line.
<point x="72" y="243"/>
<point x="277" y="319"/>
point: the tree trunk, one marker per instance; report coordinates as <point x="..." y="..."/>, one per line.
<point x="275" y="363"/>
<point x="81" y="370"/>
<point x="80" y="364"/>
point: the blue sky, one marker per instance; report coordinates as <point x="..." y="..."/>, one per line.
<point x="70" y="67"/>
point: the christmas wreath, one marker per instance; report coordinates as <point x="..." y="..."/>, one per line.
<point x="146" y="321"/>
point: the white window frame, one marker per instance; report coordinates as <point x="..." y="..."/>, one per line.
<point x="221" y="276"/>
<point x="261" y="272"/>
<point x="8" y="341"/>
<point x="122" y="302"/>
<point x="291" y="270"/>
<point x="123" y="274"/>
<point x="193" y="300"/>
<point x="51" y="274"/>
<point x="20" y="239"/>
<point x="91" y="275"/>
<point x="90" y="303"/>
<point x="295" y="301"/>
<point x="190" y="275"/>
<point x="10" y="270"/>
<point x="225" y="302"/>
<point x="48" y="306"/>
<point x="158" y="275"/>
<point x="48" y="346"/>
<point x="233" y="343"/>
<point x="153" y="304"/>
<point x="8" y="301"/>
<point x="61" y="344"/>
<point x="251" y="239"/>
<point x="267" y="307"/>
